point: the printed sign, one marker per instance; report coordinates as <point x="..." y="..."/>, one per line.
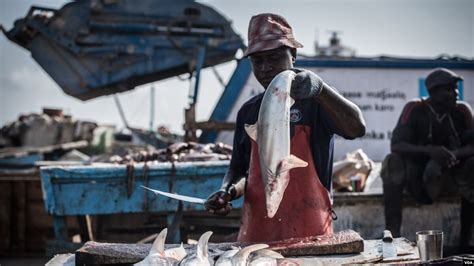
<point x="381" y="94"/>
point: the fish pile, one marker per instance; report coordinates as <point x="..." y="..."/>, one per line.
<point x="256" y="254"/>
<point x="179" y="152"/>
<point x="48" y="128"/>
<point x="272" y="134"/>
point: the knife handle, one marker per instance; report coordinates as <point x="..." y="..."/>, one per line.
<point x="387" y="236"/>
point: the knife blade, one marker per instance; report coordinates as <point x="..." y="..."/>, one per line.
<point x="389" y="250"/>
<point x="177" y="196"/>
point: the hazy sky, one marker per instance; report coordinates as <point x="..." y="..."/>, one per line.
<point x="410" y="28"/>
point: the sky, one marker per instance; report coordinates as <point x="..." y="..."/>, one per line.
<point x="405" y="28"/>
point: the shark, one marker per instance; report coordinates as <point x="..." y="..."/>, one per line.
<point x="271" y="132"/>
<point x="201" y="257"/>
<point x="238" y="257"/>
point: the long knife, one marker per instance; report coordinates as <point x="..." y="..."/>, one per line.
<point x="389" y="250"/>
<point x="177" y="196"/>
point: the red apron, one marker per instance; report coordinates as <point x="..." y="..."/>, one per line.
<point x="306" y="206"/>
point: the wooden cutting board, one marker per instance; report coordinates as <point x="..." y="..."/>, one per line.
<point x="343" y="242"/>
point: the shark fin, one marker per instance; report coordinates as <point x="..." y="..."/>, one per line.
<point x="251" y="131"/>
<point x="291" y="162"/>
<point x="176" y="253"/>
<point x="240" y="258"/>
<point x="159" y="243"/>
<point x="297" y="162"/>
<point x="202" y="252"/>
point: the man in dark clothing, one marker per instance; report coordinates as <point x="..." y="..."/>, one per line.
<point x="318" y="113"/>
<point x="432" y="152"/>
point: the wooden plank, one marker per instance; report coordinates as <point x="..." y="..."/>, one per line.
<point x="215" y="125"/>
<point x="111" y="253"/>
<point x="344" y="242"/>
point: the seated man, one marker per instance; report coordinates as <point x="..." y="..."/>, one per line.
<point x="432" y="152"/>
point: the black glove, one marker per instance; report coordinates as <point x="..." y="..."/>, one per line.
<point x="305" y="85"/>
<point x="219" y="202"/>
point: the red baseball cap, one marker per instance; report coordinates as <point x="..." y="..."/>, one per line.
<point x="269" y="31"/>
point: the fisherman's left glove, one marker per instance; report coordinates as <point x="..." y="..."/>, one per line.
<point x="305" y="85"/>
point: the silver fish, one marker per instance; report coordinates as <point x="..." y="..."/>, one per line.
<point x="265" y="257"/>
<point x="201" y="258"/>
<point x="225" y="259"/>
<point x="157" y="255"/>
<point x="272" y="133"/>
<point x="238" y="257"/>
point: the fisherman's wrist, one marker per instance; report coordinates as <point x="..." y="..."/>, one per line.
<point x="317" y="85"/>
<point x="231" y="190"/>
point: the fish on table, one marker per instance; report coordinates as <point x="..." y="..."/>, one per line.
<point x="159" y="256"/>
<point x="238" y="257"/>
<point x="201" y="257"/>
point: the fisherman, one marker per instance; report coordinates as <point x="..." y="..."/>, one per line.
<point x="432" y="152"/>
<point x="318" y="113"/>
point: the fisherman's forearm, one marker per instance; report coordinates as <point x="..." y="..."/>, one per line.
<point x="345" y="115"/>
<point x="239" y="188"/>
<point x="233" y="183"/>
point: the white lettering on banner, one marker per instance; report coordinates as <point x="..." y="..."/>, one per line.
<point x="378" y="106"/>
<point x="386" y="94"/>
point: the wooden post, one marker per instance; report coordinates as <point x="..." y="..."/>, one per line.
<point x="190" y="123"/>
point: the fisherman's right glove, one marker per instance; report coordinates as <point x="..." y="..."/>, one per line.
<point x="219" y="202"/>
<point x="305" y="85"/>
